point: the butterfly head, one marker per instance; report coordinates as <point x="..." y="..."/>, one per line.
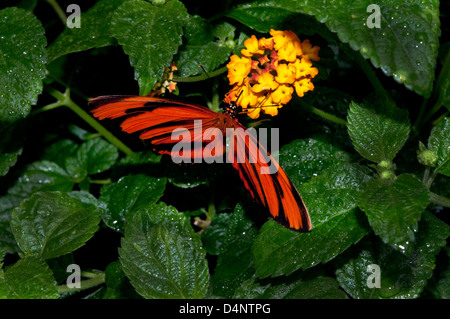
<point x="231" y="109"/>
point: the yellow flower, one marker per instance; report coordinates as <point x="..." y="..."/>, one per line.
<point x="252" y="47"/>
<point x="311" y="52"/>
<point x="269" y="72"/>
<point x="303" y="86"/>
<point x="238" y="69"/>
<point x="265" y="44"/>
<point x="304" y="68"/>
<point x="286" y="73"/>
<point x="266" y="82"/>
<point x="282" y="95"/>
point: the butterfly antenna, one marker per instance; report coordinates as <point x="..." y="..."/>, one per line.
<point x="206" y="73"/>
<point x="259" y="106"/>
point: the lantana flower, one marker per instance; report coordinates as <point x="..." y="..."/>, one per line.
<point x="269" y="72"/>
<point x="166" y="83"/>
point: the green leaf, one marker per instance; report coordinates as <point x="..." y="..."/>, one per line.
<point x="394" y="209"/>
<point x="22" y="62"/>
<point x="127" y="196"/>
<point x="28" y="278"/>
<point x="214" y="236"/>
<point x="401" y="277"/>
<point x="51" y="224"/>
<point x="439" y="141"/>
<point x="117" y="284"/>
<point x="304" y="159"/>
<point x="150" y="36"/>
<point x="405" y="46"/>
<point x="59" y="151"/>
<point x="96" y="156"/>
<point x="319" y="287"/>
<point x="41" y="176"/>
<point x="235" y="261"/>
<point x="439" y="285"/>
<point x="93" y="33"/>
<point x="377" y="133"/>
<point x="330" y="198"/>
<point x="162" y="256"/>
<point x="200" y="46"/>
<point x="11" y="142"/>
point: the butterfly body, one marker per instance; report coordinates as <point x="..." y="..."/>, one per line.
<point x="158" y="120"/>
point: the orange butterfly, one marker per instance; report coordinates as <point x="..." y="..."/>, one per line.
<point x="156" y="119"/>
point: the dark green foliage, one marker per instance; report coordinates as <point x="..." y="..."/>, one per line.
<point x="370" y="156"/>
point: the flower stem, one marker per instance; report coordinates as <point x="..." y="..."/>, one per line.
<point x="439" y="200"/>
<point x="324" y="114"/>
<point x="64" y="99"/>
<point x="58" y="10"/>
<point x="200" y="77"/>
<point x="93" y="281"/>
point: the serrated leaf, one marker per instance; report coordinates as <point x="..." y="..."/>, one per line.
<point x="59" y="151"/>
<point x="401" y="277"/>
<point x="117" y="284"/>
<point x="235" y="261"/>
<point x="405" y="45"/>
<point x="97" y="155"/>
<point x="319" y="287"/>
<point x="377" y="133"/>
<point x="51" y="224"/>
<point x="330" y="198"/>
<point x="213" y="237"/>
<point x="162" y="257"/>
<point x="150" y="36"/>
<point x="28" y="278"/>
<point x="200" y="46"/>
<point x="439" y="285"/>
<point x="94" y="31"/>
<point x="41" y="175"/>
<point x="22" y="62"/>
<point x="304" y="159"/>
<point x="394" y="209"/>
<point x="439" y="141"/>
<point x="129" y="194"/>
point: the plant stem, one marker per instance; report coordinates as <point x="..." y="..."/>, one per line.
<point x="324" y="114"/>
<point x="48" y="107"/>
<point x="94" y="281"/>
<point x="440" y="118"/>
<point x="64" y="99"/>
<point x="101" y="181"/>
<point x="61" y="14"/>
<point x="439" y="200"/>
<point x="426" y="176"/>
<point x="200" y="77"/>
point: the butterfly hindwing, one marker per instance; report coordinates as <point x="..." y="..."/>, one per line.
<point x="270" y="187"/>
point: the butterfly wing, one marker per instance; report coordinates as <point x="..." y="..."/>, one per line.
<point x="156" y="119"/>
<point x="270" y="187"/>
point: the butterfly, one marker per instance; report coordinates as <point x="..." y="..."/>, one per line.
<point x="156" y="119"/>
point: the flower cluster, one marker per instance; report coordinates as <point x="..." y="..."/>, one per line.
<point x="166" y="82"/>
<point x="269" y="71"/>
